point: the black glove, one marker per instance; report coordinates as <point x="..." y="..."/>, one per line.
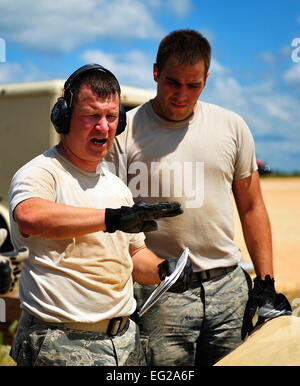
<point x="10" y="268"/>
<point x="263" y="295"/>
<point x="5" y="276"/>
<point x="140" y="217"/>
<point x="263" y="292"/>
<point x="282" y="304"/>
<point x="167" y="267"/>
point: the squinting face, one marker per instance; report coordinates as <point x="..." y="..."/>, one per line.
<point x="178" y="89"/>
<point x="92" y="129"/>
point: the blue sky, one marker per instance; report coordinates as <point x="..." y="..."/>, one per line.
<point x="255" y="69"/>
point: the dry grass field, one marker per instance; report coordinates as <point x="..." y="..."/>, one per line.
<point x="282" y="199"/>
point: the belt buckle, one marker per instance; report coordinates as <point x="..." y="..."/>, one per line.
<point x="114" y="326"/>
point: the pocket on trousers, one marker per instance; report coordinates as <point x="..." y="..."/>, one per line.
<point x="145" y="345"/>
<point x="43" y="354"/>
<point x="26" y="347"/>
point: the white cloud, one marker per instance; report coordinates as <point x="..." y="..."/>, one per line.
<point x="133" y="68"/>
<point x="267" y="57"/>
<point x="13" y="72"/>
<point x="10" y="72"/>
<point x="228" y="92"/>
<point x="180" y="8"/>
<point x="286" y="51"/>
<point x="274" y="106"/>
<point x="48" y="26"/>
<point x="292" y="76"/>
<point x="222" y="86"/>
<point x="217" y="68"/>
<point x="208" y="34"/>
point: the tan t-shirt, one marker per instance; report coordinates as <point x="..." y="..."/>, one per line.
<point x="84" y="279"/>
<point x="194" y="162"/>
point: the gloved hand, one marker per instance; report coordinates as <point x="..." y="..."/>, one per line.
<point x="281" y="307"/>
<point x="5" y="276"/>
<point x="10" y="268"/>
<point x="167" y="267"/>
<point x="263" y="292"/>
<point x="140" y="217"/>
<point x="263" y="296"/>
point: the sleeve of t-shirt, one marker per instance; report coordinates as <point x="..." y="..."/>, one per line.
<point x="31" y="182"/>
<point x="245" y="163"/>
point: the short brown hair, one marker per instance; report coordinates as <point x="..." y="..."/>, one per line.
<point x="104" y="84"/>
<point x="188" y="46"/>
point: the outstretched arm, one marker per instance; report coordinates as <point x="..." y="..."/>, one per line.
<point x="44" y="218"/>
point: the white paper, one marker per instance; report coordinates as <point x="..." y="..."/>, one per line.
<point x="166" y="283"/>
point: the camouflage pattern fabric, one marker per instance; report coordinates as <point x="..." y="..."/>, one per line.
<point x="175" y="332"/>
<point x="42" y="344"/>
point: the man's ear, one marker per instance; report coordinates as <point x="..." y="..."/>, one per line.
<point x="155" y="72"/>
<point x="207" y="75"/>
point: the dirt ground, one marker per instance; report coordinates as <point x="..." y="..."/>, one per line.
<point x="282" y="199"/>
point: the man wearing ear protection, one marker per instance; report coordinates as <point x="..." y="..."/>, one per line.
<point x="83" y="232"/>
<point x="198" y="154"/>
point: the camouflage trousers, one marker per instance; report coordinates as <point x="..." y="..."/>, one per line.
<point x="197" y="327"/>
<point x="43" y="344"/>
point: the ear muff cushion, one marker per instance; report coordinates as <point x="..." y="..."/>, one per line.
<point x="122" y="120"/>
<point x="60" y="116"/>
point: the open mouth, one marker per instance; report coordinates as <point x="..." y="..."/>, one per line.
<point x="177" y="105"/>
<point x="99" y="141"/>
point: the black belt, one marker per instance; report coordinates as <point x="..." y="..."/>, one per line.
<point x="212" y="273"/>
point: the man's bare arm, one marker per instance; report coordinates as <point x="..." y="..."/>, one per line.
<point x="145" y="264"/>
<point x="44" y="218"/>
<point x="255" y="223"/>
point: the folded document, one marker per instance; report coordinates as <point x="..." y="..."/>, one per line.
<point x="166" y="283"/>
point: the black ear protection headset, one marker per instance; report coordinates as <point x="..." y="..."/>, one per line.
<point x="61" y="112"/>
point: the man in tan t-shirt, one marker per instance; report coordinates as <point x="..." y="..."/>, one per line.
<point x="176" y="147"/>
<point x="84" y="236"/>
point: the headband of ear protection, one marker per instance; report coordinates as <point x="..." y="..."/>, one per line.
<point x="61" y="112"/>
